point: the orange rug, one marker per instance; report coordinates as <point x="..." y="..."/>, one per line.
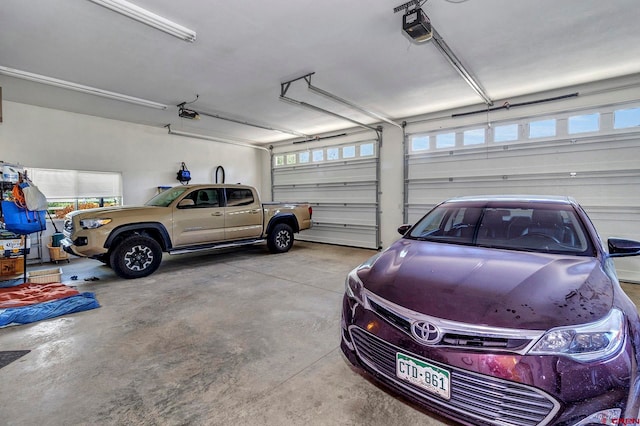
<point x="30" y="293"/>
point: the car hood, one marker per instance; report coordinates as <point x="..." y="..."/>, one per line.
<point x="106" y="211"/>
<point x="497" y="288"/>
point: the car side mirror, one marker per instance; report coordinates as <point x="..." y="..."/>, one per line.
<point x="402" y="229"/>
<point x="187" y="202"/>
<point x="619" y="247"/>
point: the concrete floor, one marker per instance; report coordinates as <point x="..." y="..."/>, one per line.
<point x="235" y="338"/>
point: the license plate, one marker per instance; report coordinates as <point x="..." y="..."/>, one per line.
<point x="429" y="377"/>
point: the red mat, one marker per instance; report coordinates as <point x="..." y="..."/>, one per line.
<point x="30" y="293"/>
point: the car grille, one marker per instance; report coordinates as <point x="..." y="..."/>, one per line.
<point x="458" y="339"/>
<point x="486" y="399"/>
<point x="392" y="317"/>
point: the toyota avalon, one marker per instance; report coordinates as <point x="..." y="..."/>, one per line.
<point x="499" y="311"/>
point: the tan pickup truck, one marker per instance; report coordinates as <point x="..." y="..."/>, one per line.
<point x="182" y="219"/>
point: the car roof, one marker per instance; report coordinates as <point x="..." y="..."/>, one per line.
<point x="556" y="199"/>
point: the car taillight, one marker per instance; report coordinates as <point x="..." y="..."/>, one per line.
<point x="310" y="212"/>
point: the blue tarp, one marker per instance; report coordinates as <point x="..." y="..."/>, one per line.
<point x="46" y="310"/>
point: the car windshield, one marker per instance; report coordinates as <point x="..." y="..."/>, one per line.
<point x="547" y="228"/>
<point x="165" y="198"/>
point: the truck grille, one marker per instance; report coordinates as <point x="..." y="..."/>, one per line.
<point x="482" y="399"/>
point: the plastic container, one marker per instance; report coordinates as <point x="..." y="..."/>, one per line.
<point x="45" y="276"/>
<point x="57" y="254"/>
<point x="56" y="238"/>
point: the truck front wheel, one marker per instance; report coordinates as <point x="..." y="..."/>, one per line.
<point x="280" y="239"/>
<point x="136" y="256"/>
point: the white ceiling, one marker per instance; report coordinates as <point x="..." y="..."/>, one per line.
<point x="245" y="49"/>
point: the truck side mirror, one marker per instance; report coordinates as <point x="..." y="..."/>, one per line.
<point x="187" y="202"/>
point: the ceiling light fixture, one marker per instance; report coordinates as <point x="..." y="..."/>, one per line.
<point x="149" y="18"/>
<point x="211" y="138"/>
<point x="51" y="81"/>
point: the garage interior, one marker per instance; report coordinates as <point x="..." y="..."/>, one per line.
<point x="323" y="102"/>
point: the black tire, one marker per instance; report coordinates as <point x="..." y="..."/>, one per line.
<point x="280" y="239"/>
<point x="104" y="258"/>
<point x="136" y="256"/>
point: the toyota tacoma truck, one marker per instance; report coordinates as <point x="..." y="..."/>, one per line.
<point x="182" y="219"/>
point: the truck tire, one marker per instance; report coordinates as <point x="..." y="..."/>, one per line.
<point x="280" y="239"/>
<point x="136" y="256"/>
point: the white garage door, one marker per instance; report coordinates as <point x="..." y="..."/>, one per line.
<point x="341" y="183"/>
<point x="592" y="155"/>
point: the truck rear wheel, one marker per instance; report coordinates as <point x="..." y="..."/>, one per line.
<point x="136" y="256"/>
<point x="280" y="238"/>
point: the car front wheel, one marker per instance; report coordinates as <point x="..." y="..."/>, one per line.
<point x="136" y="256"/>
<point x="280" y="239"/>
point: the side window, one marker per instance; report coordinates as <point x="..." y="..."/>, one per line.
<point x="239" y="197"/>
<point x="203" y="198"/>
<point x="207" y="198"/>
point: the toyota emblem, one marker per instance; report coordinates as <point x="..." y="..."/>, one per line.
<point x="425" y="332"/>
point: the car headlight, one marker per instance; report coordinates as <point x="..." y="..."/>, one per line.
<point x="353" y="284"/>
<point x="93" y="223"/>
<point x="586" y="342"/>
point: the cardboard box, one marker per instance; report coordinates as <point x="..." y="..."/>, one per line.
<point x="11" y="266"/>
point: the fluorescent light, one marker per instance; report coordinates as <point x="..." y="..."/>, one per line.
<point x="211" y="138"/>
<point x="25" y="75"/>
<point x="149" y="18"/>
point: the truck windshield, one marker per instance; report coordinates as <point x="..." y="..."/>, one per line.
<point x="165" y="198"/>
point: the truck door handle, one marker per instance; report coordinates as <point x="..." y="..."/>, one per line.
<point x="216" y="214"/>
<point x="256" y="211"/>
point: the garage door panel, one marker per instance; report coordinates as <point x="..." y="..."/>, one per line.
<point x="513" y="159"/>
<point x="343" y="192"/>
<point x="342" y="214"/>
<point x="357" y="193"/>
<point x="589" y="188"/>
<point x="327" y="174"/>
<point x="352" y="235"/>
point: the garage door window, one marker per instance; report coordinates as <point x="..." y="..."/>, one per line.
<point x="349" y="151"/>
<point x="584" y="123"/>
<point x="446" y="140"/>
<point x="366" y="150"/>
<point x="625" y="118"/>
<point x="333" y="153"/>
<point x="303" y="157"/>
<point x="542" y="129"/>
<point x="420" y="143"/>
<point x="474" y="137"/>
<point x="506" y="133"/>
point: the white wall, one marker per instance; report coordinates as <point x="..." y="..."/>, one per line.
<point x="391" y="183"/>
<point x="146" y="156"/>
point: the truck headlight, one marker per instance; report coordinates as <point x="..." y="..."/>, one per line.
<point x="586" y="342"/>
<point x="93" y="223"/>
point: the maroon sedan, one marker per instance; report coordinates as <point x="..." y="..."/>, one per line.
<point x="500" y="311"/>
